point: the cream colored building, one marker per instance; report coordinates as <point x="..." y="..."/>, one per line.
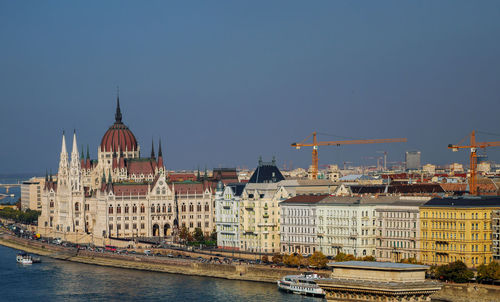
<point x="31" y="193"/>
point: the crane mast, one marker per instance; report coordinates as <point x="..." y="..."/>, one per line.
<point x="473" y="146"/>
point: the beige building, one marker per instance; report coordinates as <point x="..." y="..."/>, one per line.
<point x="31" y="193"/>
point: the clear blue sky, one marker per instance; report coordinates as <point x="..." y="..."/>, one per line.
<point x="222" y="82"/>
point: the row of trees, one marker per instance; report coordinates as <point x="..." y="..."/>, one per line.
<point x="197" y="236"/>
<point x="458" y="272"/>
<point x="316" y="260"/>
<point x="28" y="217"/>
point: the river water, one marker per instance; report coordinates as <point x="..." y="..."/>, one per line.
<point x="57" y="280"/>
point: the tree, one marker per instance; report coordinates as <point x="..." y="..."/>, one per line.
<point x="456" y="271"/>
<point x="265" y="259"/>
<point x="488" y="272"/>
<point x="184" y="233"/>
<point x="293" y="260"/>
<point x="213" y="236"/>
<point x="198" y="235"/>
<point x="340" y="257"/>
<point x="277" y="258"/>
<point x="368" y="258"/>
<point x="318" y="259"/>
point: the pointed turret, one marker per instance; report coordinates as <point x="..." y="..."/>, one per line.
<point x="152" y="149"/>
<point x="81" y="155"/>
<point x="63" y="172"/>
<point x="88" y="154"/>
<point x="160" y="156"/>
<point x="63" y="145"/>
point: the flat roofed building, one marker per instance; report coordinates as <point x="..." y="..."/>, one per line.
<point x="31" y="193"/>
<point x="377" y="281"/>
<point x="457" y="229"/>
<point x="227" y="208"/>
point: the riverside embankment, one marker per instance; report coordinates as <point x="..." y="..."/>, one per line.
<point x="244" y="272"/>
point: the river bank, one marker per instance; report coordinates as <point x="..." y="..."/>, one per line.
<point x="242" y="272"/>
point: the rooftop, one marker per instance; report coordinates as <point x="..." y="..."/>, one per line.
<point x="378" y="265"/>
<point x="465" y="202"/>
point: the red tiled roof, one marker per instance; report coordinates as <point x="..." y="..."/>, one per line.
<point x="118" y="137"/>
<point x="130" y="189"/>
<point x="189" y="188"/>
<point x="140" y="167"/>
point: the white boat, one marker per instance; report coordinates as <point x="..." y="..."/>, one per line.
<point x="304" y="284"/>
<point x="24" y="258"/>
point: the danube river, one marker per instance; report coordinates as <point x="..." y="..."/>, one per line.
<point x="56" y="280"/>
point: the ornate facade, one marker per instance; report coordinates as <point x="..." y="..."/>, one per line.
<point x="121" y="194"/>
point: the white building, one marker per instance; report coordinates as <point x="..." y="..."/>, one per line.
<point x="398" y="230"/>
<point x="227" y="209"/>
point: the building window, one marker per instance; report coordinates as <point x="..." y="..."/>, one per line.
<point x="126" y="209"/>
<point x="142" y="225"/>
<point x="118" y="209"/>
<point x="191" y="207"/>
<point x="134" y="209"/>
<point x="207" y="207"/>
<point x="169" y="208"/>
<point x="110" y="210"/>
<point x="126" y="226"/>
<point x="77" y="207"/>
<point x="152" y="209"/>
<point x="183" y="207"/>
<point x="198" y="207"/>
<point x="164" y="208"/>
<point x="143" y="209"/>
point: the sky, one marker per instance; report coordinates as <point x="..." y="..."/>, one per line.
<point x="224" y="82"/>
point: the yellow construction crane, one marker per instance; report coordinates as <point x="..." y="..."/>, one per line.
<point x="315" y="144"/>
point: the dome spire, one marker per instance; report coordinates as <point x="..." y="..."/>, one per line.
<point x="118" y="114"/>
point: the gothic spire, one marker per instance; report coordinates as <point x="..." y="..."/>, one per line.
<point x="118" y="114"/>
<point x="81" y="155"/>
<point x="159" y="149"/>
<point x="63" y="144"/>
<point x="152" y="149"/>
<point x="88" y="156"/>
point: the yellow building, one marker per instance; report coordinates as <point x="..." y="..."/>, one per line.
<point x="457" y="229"/>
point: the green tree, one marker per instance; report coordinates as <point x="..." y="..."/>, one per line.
<point x="318" y="259"/>
<point x="265" y="259"/>
<point x="368" y="258"/>
<point x="488" y="272"/>
<point x="277" y="258"/>
<point x="213" y="236"/>
<point x="456" y="271"/>
<point x="198" y="235"/>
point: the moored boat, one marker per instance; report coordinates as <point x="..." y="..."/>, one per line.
<point x="304" y="284"/>
<point x="24" y="258"/>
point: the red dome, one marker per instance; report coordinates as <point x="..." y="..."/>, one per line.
<point x="118" y="136"/>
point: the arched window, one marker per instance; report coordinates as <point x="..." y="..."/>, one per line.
<point x="77" y="207"/>
<point x="134" y="209"/>
<point x="207" y="207"/>
<point x="152" y="208"/>
<point x="198" y="207"/>
<point x="169" y="208"/>
<point x="164" y="208"/>
<point x="126" y="209"/>
<point x="158" y="209"/>
<point x="191" y="207"/>
<point x="183" y="207"/>
<point x="118" y="209"/>
<point x="110" y="209"/>
<point x="143" y="209"/>
<point x="51" y="204"/>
